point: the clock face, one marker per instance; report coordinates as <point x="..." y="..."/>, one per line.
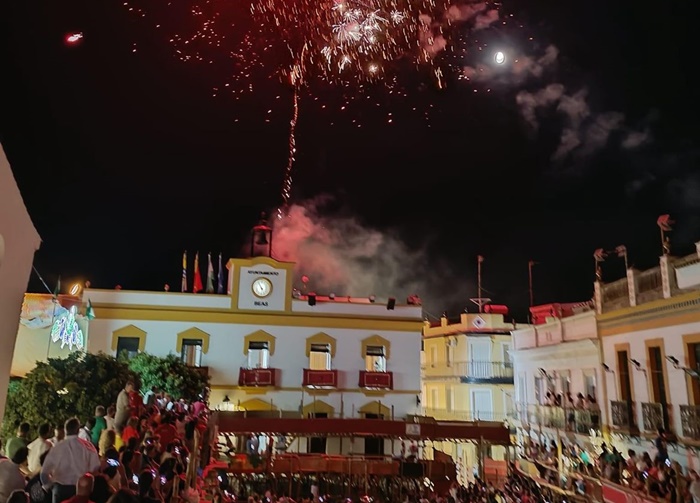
<point x="262" y="287"/>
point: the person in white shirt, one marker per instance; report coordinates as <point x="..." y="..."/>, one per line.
<point x="67" y="461"/>
<point x="11" y="477"/>
<point x="38" y="447"/>
<point x="85" y="432"/>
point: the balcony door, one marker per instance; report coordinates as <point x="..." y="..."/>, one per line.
<point x="482" y="404"/>
<point x="479" y="358"/>
<point x="374" y="446"/>
<point x="623" y="371"/>
<point x="658" y="382"/>
<point x="317" y="445"/>
<point x="694" y="363"/>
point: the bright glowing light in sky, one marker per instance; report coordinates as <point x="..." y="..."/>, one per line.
<point x="74" y="38"/>
<point x="499" y="58"/>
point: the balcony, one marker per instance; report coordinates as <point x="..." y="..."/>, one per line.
<point x="655" y="416"/>
<point x="690" y="421"/>
<point x="623" y="416"/>
<point x="485" y="372"/>
<point x="376" y="380"/>
<point x="256" y="377"/>
<point x="320" y="378"/>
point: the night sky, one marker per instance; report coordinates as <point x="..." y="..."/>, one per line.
<point x="125" y="159"/>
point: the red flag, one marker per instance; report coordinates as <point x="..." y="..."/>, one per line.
<point x="664" y="222"/>
<point x="599" y="255"/>
<point x="197" y="286"/>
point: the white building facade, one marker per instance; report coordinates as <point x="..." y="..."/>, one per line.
<point x="649" y="325"/>
<point x="18" y="242"/>
<point x="266" y="350"/>
<point x="559" y="355"/>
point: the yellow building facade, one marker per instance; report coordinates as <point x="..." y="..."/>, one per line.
<point x="467" y="375"/>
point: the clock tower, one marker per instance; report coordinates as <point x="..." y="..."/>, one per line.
<point x="260" y="283"/>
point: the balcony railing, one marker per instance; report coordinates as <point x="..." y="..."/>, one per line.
<point x="256" y="377"/>
<point x="474" y="372"/>
<point x="320" y="378"/>
<point x="655" y="416"/>
<point x="623" y="415"/>
<point x="466" y="415"/>
<point x="376" y="380"/>
<point x="690" y="421"/>
<point x="565" y="418"/>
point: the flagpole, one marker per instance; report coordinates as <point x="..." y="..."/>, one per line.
<point x="532" y="293"/>
<point x="479" y="261"/>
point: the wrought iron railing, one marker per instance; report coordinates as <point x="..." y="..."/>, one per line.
<point x="622" y="413"/>
<point x="653" y="416"/>
<point x="690" y="421"/>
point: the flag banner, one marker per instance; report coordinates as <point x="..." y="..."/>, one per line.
<point x="664" y="222"/>
<point x="183" y="287"/>
<point x="210" y="274"/>
<point x="89" y="311"/>
<point x="197" y="281"/>
<point x="58" y="287"/>
<point x="220" y="281"/>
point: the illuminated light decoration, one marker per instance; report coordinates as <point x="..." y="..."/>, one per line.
<point x="67" y="331"/>
<point x="499" y="58"/>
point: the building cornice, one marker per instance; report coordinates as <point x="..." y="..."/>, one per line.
<point x="676" y="310"/>
<point x="561" y="350"/>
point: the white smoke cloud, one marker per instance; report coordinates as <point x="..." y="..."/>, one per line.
<point x="529" y="103"/>
<point x="341" y="255"/>
<point x="636" y="139"/>
<point x="486" y="19"/>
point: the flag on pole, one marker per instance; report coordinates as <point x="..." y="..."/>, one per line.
<point x="197" y="282"/>
<point x="184" y="272"/>
<point x="58" y="287"/>
<point x="664" y="222"/>
<point x="220" y="281"/>
<point x="89" y="311"/>
<point x="210" y="274"/>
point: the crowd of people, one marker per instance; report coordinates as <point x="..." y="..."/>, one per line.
<point x="656" y="477"/>
<point x="135" y="450"/>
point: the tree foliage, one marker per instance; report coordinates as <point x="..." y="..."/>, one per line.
<point x="65" y="387"/>
<point x="61" y="388"/>
<point x="170" y="374"/>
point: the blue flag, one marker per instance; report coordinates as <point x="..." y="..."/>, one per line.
<point x="220" y="281"/>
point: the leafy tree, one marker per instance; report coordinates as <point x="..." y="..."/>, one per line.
<point x="170" y="374"/>
<point x="61" y="388"/>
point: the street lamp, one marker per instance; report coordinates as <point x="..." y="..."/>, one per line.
<point x="75" y="289"/>
<point x="499" y="58"/>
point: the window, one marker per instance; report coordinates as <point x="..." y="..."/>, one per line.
<point x="658" y="382"/>
<point x="564" y="382"/>
<point x="320" y="357"/>
<point x="539" y="395"/>
<point x="375" y="360"/>
<point x="434" y="398"/>
<point x="127" y="346"/>
<point x="449" y="398"/>
<point x="192" y="352"/>
<point x="589" y="382"/>
<point x="623" y="370"/>
<point x="433" y="356"/>
<point x="694" y="363"/>
<point x="448" y="353"/>
<point x="258" y="354"/>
